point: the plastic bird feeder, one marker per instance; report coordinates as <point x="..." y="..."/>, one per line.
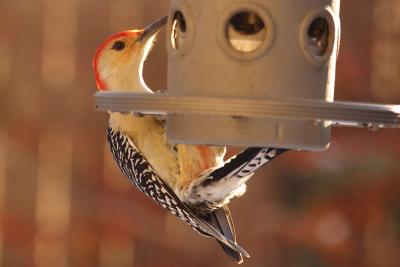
<point x="253" y="73"/>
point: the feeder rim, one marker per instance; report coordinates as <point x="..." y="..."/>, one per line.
<point x="337" y="113"/>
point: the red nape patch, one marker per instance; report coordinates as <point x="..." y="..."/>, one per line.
<point x="101" y="85"/>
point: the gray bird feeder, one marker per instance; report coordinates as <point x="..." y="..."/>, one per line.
<point x="253" y="73"/>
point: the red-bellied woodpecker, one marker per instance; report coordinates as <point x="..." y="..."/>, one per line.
<point x="191" y="181"/>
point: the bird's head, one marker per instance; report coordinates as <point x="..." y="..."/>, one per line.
<point x="118" y="62"/>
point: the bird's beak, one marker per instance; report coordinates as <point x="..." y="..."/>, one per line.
<point x="153" y="29"/>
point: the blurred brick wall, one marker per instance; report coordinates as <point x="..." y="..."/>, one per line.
<point x="64" y="203"/>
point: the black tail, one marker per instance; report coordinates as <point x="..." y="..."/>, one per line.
<point x="221" y="219"/>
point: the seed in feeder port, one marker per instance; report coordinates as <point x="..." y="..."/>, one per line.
<point x="178" y="30"/>
<point x="318" y="35"/>
<point x="246" y="32"/>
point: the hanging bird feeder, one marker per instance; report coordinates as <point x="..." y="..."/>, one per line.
<point x="253" y="73"/>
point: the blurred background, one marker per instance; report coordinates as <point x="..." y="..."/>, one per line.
<point x="63" y="202"/>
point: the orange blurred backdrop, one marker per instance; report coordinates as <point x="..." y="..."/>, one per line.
<point x="63" y="202"/>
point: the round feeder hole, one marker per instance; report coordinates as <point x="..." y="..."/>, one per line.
<point x="318" y="36"/>
<point x="178" y="30"/>
<point x="246" y="32"/>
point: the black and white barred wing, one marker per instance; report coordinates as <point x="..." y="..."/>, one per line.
<point x="218" y="185"/>
<point x="244" y="163"/>
<point x="141" y="173"/>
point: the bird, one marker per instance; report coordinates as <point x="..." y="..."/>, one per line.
<point x="193" y="182"/>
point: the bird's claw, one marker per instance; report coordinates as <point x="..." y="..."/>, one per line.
<point x="161" y="119"/>
<point x="139" y="114"/>
<point x="161" y="92"/>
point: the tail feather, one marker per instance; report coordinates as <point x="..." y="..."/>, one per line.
<point x="221" y="218"/>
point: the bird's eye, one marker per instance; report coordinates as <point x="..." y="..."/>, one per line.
<point x="118" y="45"/>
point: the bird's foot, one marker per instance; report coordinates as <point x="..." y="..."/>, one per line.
<point x="138" y="114"/>
<point x="161" y="119"/>
<point x="161" y="92"/>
